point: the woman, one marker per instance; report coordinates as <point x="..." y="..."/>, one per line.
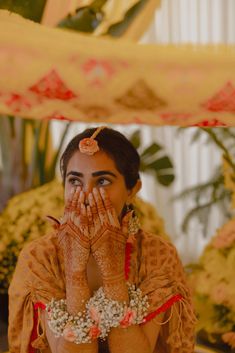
<point x="125" y="289"/>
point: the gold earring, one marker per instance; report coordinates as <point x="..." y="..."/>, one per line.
<point x="134" y="222"/>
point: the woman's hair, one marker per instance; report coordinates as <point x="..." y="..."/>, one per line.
<point x="116" y="145"/>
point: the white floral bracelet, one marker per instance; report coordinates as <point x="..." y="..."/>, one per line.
<point x="100" y="316"/>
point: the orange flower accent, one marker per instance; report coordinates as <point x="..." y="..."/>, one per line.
<point x="88" y="146"/>
<point x="229" y="338"/>
<point x="94" y="332"/>
<point x="68" y="333"/>
<point x="94" y="314"/>
<point x="225" y="236"/>
<point x="128" y="318"/>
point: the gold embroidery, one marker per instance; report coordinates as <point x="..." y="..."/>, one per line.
<point x="140" y="96"/>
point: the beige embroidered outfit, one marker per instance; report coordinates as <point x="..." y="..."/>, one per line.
<point x="154" y="268"/>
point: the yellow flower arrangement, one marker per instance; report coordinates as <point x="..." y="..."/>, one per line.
<point x="214" y="286"/>
<point x="213" y="280"/>
<point x="24" y="219"/>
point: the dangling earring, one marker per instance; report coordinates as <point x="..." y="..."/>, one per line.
<point x="134" y="223"/>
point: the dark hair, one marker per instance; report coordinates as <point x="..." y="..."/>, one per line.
<point x="116" y="145"/>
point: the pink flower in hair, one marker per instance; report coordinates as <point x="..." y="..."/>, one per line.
<point x="94" y="332"/>
<point x="128" y="318"/>
<point x="88" y="146"/>
<point x="69" y="333"/>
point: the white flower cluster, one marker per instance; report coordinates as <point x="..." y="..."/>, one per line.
<point x="74" y="328"/>
<point x="100" y="316"/>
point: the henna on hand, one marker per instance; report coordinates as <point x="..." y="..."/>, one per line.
<point x="73" y="234"/>
<point x="73" y="239"/>
<point x="108" y="241"/>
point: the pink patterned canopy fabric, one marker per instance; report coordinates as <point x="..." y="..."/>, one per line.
<point x="48" y="73"/>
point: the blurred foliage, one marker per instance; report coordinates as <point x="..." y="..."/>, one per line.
<point x="83" y="19"/>
<point x="28" y="155"/>
<point x="212" y="193"/>
<point x="213" y="284"/>
<point x="153" y="160"/>
<point x="33" y="10"/>
<point x="118" y="29"/>
<point x="88" y="18"/>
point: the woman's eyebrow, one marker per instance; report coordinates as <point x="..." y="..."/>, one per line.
<point x="95" y="174"/>
<point x="74" y="173"/>
<point x="104" y="172"/>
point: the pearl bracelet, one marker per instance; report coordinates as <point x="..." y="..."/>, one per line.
<point x="100" y="316"/>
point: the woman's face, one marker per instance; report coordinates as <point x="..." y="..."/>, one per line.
<point x="97" y="171"/>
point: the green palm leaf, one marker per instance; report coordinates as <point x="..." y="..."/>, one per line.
<point x="32" y="10"/>
<point x="153" y="161"/>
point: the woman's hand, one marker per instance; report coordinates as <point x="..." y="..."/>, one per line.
<point x="73" y="235"/>
<point x="73" y="238"/>
<point x="108" y="241"/>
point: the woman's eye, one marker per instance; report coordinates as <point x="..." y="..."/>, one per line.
<point x="75" y="182"/>
<point x="103" y="182"/>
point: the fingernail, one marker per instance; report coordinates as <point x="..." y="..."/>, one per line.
<point x="72" y="190"/>
<point x="95" y="190"/>
<point x="102" y="190"/>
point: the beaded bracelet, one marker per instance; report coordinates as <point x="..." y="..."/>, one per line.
<point x="100" y="316"/>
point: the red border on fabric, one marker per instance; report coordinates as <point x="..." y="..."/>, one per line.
<point x="163" y="308"/>
<point x="34" y="334"/>
<point x="128" y="251"/>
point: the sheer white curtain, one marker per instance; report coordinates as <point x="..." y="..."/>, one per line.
<point x="193" y="21"/>
<point x="187" y="21"/>
<point x="194" y="163"/>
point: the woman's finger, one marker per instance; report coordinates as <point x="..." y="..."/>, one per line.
<point x="111" y="213"/>
<point x="94" y="212"/>
<point x="90" y="221"/>
<point x="75" y="214"/>
<point x="102" y="213"/>
<point x="69" y="201"/>
<point x="76" y="210"/>
<point x="84" y="220"/>
<point x="81" y="223"/>
<point x="75" y="198"/>
<point x="54" y="222"/>
<point x="89" y="216"/>
<point x="81" y="198"/>
<point x="92" y="204"/>
<point x="105" y="199"/>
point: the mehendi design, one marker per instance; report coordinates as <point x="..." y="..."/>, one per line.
<point x="108" y="242"/>
<point x="73" y="238"/>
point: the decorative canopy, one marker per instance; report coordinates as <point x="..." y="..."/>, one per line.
<point x="50" y="73"/>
